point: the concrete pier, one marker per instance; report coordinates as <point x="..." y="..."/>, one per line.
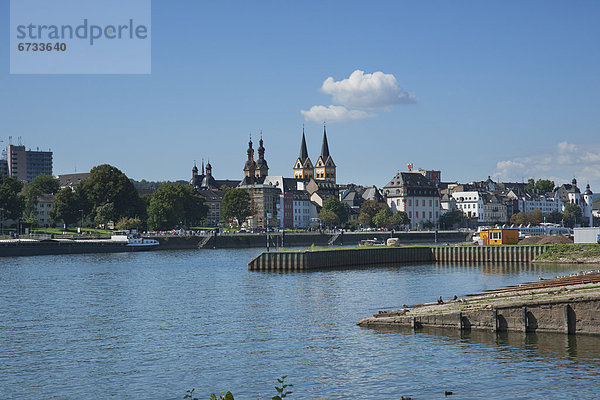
<point x="570" y="309"/>
<point x="302" y="260"/>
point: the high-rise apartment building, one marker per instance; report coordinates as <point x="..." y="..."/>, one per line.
<point x="25" y="165"/>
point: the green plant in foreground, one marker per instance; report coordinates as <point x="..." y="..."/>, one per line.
<point x="281" y="390"/>
<point x="228" y="396"/>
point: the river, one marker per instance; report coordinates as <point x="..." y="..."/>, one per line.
<point x="153" y="325"/>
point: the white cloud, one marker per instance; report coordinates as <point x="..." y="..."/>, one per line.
<point x="360" y="90"/>
<point x="560" y="164"/>
<point x="358" y="93"/>
<point x="509" y="165"/>
<point x="565" y="147"/>
<point x="334" y="114"/>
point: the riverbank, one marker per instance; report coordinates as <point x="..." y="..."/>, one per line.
<point x="564" y="304"/>
<point x="571" y="254"/>
<point x="31" y="247"/>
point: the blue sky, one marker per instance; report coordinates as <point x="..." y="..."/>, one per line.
<point x="507" y="89"/>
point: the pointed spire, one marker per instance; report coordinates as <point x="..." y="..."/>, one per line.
<point x="303" y="149"/>
<point x="202" y="165"/>
<point x="325" y="145"/>
<point x="261" y="148"/>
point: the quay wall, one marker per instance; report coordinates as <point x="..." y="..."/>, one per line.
<point x="579" y="316"/>
<point x="248" y="240"/>
<point x="276" y="240"/>
<point x="338" y="258"/>
<point x="17" y="249"/>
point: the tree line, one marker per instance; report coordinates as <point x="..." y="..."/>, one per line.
<point x="106" y="195"/>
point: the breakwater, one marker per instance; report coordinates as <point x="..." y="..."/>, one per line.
<point x="302" y="260"/>
<point x="564" y="305"/>
<point x="575" y="317"/>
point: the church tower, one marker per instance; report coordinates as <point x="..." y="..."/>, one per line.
<point x="262" y="169"/>
<point x="325" y="167"/>
<point x="303" y="168"/>
<point x="250" y="166"/>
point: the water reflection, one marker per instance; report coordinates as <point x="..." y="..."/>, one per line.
<point x="542" y="346"/>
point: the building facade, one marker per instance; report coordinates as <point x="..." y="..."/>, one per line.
<point x="25" y="165"/>
<point x="414" y="194"/>
<point x="471" y="204"/>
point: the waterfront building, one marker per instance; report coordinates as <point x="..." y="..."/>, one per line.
<point x="414" y="194"/>
<point x="211" y="190"/>
<point x="43" y="208"/>
<point x="25" y="165"/>
<point x="471" y="204"/>
<point x="570" y="194"/>
<point x="494" y="210"/>
<point x="264" y="196"/>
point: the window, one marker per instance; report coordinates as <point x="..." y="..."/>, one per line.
<point x="430" y="202"/>
<point x="409" y="202"/>
<point x="423" y="201"/>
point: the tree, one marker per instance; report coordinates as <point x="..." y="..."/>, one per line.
<point x="451" y="218"/>
<point x="236" y="206"/>
<point x="105" y="213"/>
<point x="329" y="218"/>
<point x="194" y="209"/>
<point x="535" y="217"/>
<point x="368" y="209"/>
<point x="519" y="219"/>
<point x="129" y="224"/>
<point x="337" y="207"/>
<point x="544" y="185"/>
<point x="530" y="184"/>
<point x="65" y="207"/>
<point x="107" y="184"/>
<point x="572" y="215"/>
<point x="383" y="217"/>
<point x="399" y="219"/>
<point x="11" y="202"/>
<point x="174" y="205"/>
<point x="555" y="217"/>
<point x="42" y="184"/>
<point x="428" y="224"/>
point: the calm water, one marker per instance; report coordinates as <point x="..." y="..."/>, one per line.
<point x="152" y="325"/>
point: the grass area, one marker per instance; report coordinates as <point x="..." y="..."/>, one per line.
<point x="69" y="231"/>
<point x="570" y="252"/>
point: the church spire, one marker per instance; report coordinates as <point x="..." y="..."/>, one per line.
<point x="303" y="149"/>
<point x="325" y="145"/>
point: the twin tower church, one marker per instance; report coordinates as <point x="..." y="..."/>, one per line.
<point x="322" y="172"/>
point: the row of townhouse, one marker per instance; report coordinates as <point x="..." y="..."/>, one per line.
<point x="490" y="203"/>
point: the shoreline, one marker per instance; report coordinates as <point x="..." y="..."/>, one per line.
<point x="565" y="305"/>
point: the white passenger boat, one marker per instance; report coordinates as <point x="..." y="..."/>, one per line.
<point x="134" y="240"/>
